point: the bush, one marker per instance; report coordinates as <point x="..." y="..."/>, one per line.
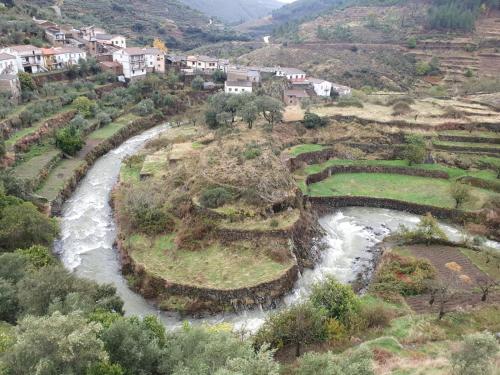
<point x="70" y="140"/>
<point x="476" y="355"/>
<point x="84" y="106"/>
<point x="338" y="300"/>
<point x="401" y="108"/>
<point x="427" y="231"/>
<point x="103" y="118"/>
<point x="415" y="149"/>
<point x="411" y="42"/>
<point x="376" y="315"/>
<point x="8" y="301"/>
<point x="252" y="151"/>
<point x="215" y="197"/>
<point x="145" y="107"/>
<point x="403" y="275"/>
<point x="37" y="256"/>
<point x="211" y="119"/>
<point x="358" y="362"/>
<point x="197" y="83"/>
<point x="297" y="325"/>
<point x="313" y="121"/>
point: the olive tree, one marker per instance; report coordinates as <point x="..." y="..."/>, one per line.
<point x="460" y="193"/>
<point x="270" y="108"/>
<point x="415" y="149"/>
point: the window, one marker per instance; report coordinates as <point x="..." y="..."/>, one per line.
<point x="236" y="90"/>
<point x="230" y="89"/>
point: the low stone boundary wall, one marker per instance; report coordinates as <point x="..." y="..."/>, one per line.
<point x="132" y="129"/>
<point x="326" y="204"/>
<point x="460" y="138"/>
<point x="48" y="127"/>
<point x="264" y="293"/>
<point x="337" y="169"/>
<point x="481" y="183"/>
<point x="482" y="150"/>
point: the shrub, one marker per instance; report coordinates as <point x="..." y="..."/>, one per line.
<point x="412" y="42"/>
<point x="38" y="256"/>
<point x="145" y="107"/>
<point x="197" y="83"/>
<point x="313" y="121"/>
<point x="415" y="149"/>
<point x="358" y="362"/>
<point x="376" y="315"/>
<point x="476" y="355"/>
<point x="401" y="108"/>
<point x="26" y="80"/>
<point x="103" y="118"/>
<point x="78" y="122"/>
<point x="469" y="73"/>
<point x="252" y="151"/>
<point x="215" y="197"/>
<point x="211" y="119"/>
<point x="297" y="325"/>
<point x="404" y="275"/>
<point x="84" y="106"/>
<point x="8" y="301"/>
<point x="338" y="300"/>
<point x="70" y="140"/>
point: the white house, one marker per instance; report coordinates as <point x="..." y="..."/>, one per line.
<point x="321" y="86"/>
<point x="29" y="58"/>
<point x="112" y="40"/>
<point x="292" y="74"/>
<point x="342" y="90"/>
<point x="202" y="63"/>
<point x="238" y="87"/>
<point x="8" y="64"/>
<point x="133" y="61"/>
<point x="155" y="60"/>
<point x="62" y="57"/>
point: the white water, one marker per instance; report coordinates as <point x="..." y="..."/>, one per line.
<point x="88" y="232"/>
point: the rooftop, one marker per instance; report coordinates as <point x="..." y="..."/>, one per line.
<point x="317" y="80"/>
<point x="292" y="71"/>
<point x="134" y="51"/>
<point x="6" y="56"/>
<point x="239" y="83"/>
<point x="28" y="48"/>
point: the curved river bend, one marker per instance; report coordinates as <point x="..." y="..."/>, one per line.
<point x="88" y="233"/>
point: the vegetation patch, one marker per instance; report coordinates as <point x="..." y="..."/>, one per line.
<point x="218" y="266"/>
<point x="303" y="149"/>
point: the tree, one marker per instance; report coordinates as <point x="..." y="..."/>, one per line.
<point x="338" y="300"/>
<point x="145" y="107"/>
<point x="198" y="83"/>
<point x="476" y="355"/>
<point x="460" y="193"/>
<point x="22" y="226"/>
<point x="105" y="368"/>
<point x="298" y="325"/>
<point x="313" y="121"/>
<point x="37" y="256"/>
<point x="219" y="76"/>
<point x="211" y="119"/>
<point x="160" y="44"/>
<point x="486" y="285"/>
<point x="415" y="149"/>
<point x="70" y="140"/>
<point x="249" y="113"/>
<point x="132" y="345"/>
<point x="8" y="301"/>
<point x="26" y="80"/>
<point x="412" y="42"/>
<point x="84" y="106"/>
<point x="12" y="267"/>
<point x="56" y="344"/>
<point x="427" y="231"/>
<point x="270" y="108"/>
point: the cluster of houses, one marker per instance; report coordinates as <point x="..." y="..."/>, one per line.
<point x="70" y="46"/>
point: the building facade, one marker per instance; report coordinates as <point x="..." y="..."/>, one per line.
<point x="133" y="61"/>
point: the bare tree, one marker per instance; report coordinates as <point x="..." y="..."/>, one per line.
<point x="486" y="285"/>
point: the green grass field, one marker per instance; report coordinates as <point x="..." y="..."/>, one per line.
<point x="484" y="261"/>
<point x="465" y="133"/>
<point x="454" y="173"/>
<point x="302" y="149"/>
<point x="32" y="168"/>
<point x="111" y="129"/>
<point x="58" y="178"/>
<point x="467" y="144"/>
<point x="217" y="266"/>
<point x="421" y="190"/>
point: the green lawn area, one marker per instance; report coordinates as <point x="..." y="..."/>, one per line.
<point x="130" y="173"/>
<point x="452" y="172"/>
<point x="421" y="190"/>
<point x="302" y="149"/>
<point x="31" y="168"/>
<point x="465" y="133"/>
<point x="58" y="178"/>
<point x="485" y="261"/>
<point x="217" y="266"/>
<point x="467" y="144"/>
<point x="111" y="129"/>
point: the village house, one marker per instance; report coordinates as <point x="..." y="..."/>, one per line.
<point x="294" y="97"/>
<point x="8" y="64"/>
<point x="90" y="32"/>
<point x="155" y="60"/>
<point x="291" y="74"/>
<point x="62" y="57"/>
<point x="238" y="87"/>
<point x="202" y="63"/>
<point x="118" y="41"/>
<point x="321" y="86"/>
<point x="243" y="74"/>
<point x="55" y="35"/>
<point x="133" y="61"/>
<point x="29" y="58"/>
<point x="342" y="90"/>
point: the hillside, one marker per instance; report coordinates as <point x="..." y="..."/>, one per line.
<point x="235" y="11"/>
<point x="179" y="25"/>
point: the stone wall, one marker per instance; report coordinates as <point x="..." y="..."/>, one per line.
<point x="327" y="204"/>
<point x="458" y="138"/>
<point x="481" y="183"/>
<point x="337" y="169"/>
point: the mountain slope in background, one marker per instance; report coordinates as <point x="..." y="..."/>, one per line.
<point x="140" y="20"/>
<point x="235" y="11"/>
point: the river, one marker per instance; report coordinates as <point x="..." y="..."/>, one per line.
<point x="88" y="233"/>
